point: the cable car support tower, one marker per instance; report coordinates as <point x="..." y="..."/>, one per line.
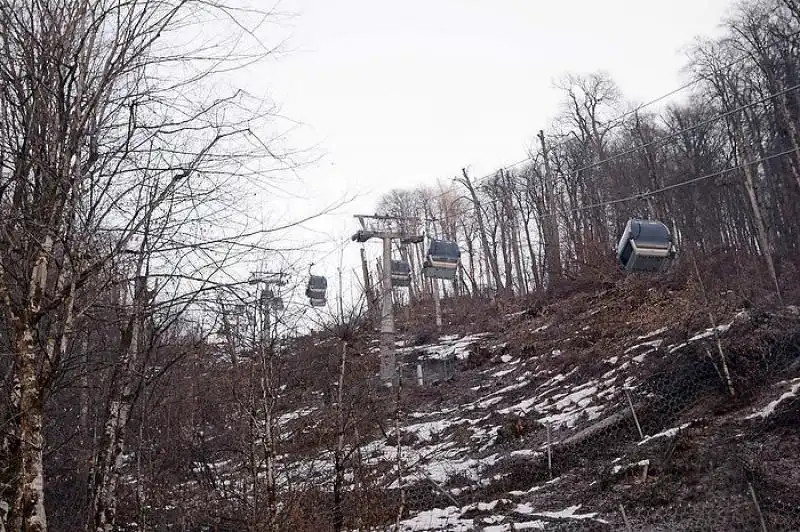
<point x="267" y="302"/>
<point x="387" y="228"/>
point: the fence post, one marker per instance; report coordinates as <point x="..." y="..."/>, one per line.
<point x="633" y="411"/>
<point x="549" y="452"/>
<point x="758" y="507"/>
<point x="625" y="520"/>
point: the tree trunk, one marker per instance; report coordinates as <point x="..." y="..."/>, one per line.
<point x="27" y="512"/>
<point x="268" y="398"/>
<point x="120" y="403"/>
<point x="516" y="251"/>
<point x="339" y="452"/>
<point x="550" y="222"/>
<point x="471" y="260"/>
<point x="491" y="258"/>
<point x="369" y="294"/>
<point x="762" y="228"/>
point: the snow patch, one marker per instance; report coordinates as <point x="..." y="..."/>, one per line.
<point x="770" y="408"/>
<point x="450" y="346"/>
<point x="502" y="372"/>
<point x="669" y="433"/>
<point x="566" y="513"/>
<point x="526" y="453"/>
<point x="654" y="333"/>
<point x="640" y="463"/>
<point x="486" y="403"/>
<point x="527" y="525"/>
<point x="652" y="344"/>
<point x="438" y="519"/>
<point x="640" y="358"/>
<point x="427" y="431"/>
<point x="710" y="332"/>
<point x="283" y="419"/>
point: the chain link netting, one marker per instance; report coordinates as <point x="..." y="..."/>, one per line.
<point x="578" y="418"/>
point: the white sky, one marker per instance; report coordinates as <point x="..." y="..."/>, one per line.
<point x="396" y="93"/>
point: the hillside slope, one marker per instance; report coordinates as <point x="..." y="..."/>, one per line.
<point x="612" y="406"/>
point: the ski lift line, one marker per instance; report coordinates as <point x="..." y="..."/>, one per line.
<point x="688" y="84"/>
<point x="276" y="278"/>
<point x="617" y="119"/>
<point x="337" y="249"/>
<point x="687" y="129"/>
<point x="667" y="188"/>
<point x="633" y="112"/>
<point x="683" y="131"/>
<point x="368" y="232"/>
<point x="387" y="217"/>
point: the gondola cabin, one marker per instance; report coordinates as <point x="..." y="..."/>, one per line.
<point x="271" y="299"/>
<point x="645" y="246"/>
<point x="401" y="273"/>
<point x="442" y="260"/>
<point x="316" y="289"/>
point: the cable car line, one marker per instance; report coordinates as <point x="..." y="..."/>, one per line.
<point x="643" y="106"/>
<point x="667" y="188"/>
<point x="471" y="208"/>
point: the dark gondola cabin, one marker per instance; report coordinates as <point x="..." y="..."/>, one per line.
<point x="645" y="246"/>
<point x="401" y="273"/>
<point x="441" y="261"/>
<point x="316" y="289"/>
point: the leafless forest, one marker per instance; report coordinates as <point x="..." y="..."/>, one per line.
<point x="149" y="384"/>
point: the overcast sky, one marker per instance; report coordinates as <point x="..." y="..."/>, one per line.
<point x="396" y="93"/>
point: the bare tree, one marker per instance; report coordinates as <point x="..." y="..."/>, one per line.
<point x="103" y="142"/>
<point x="491" y="258"/>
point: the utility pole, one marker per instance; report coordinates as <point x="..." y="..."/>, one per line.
<point x="383" y="227"/>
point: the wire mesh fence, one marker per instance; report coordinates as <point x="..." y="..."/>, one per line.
<point x="679" y="427"/>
